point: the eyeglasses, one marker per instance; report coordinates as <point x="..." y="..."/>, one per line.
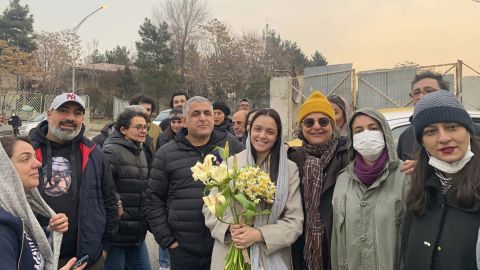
<point x="426" y="90"/>
<point x="309" y="122"/>
<point x="140" y="127"/>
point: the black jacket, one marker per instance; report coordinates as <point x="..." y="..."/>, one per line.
<point x="174" y="199"/>
<point x="129" y="168"/>
<point x="445" y="237"/>
<point x="15" y="121"/>
<point x="337" y="163"/>
<point x="407" y="146"/>
<point x="102" y="136"/>
<point x="96" y="205"/>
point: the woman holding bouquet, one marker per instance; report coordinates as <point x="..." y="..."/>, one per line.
<point x="270" y="236"/>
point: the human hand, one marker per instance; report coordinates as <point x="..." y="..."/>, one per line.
<point x="174" y="245"/>
<point x="243" y="236"/>
<point x="408" y="166"/>
<point x="104" y="254"/>
<point x="59" y="223"/>
<point x="71" y="262"/>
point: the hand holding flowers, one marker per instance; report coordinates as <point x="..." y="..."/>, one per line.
<point x="238" y="192"/>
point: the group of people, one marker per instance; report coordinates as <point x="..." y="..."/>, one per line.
<point x="347" y="198"/>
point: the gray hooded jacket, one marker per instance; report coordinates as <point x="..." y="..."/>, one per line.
<point x="368" y="221"/>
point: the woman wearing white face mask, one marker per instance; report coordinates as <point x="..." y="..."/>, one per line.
<point x="444" y="202"/>
<point x="369" y="199"/>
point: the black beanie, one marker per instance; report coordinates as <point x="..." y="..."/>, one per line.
<point x="437" y="107"/>
<point x="217" y="105"/>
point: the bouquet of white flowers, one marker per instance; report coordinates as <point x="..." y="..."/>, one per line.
<point x="239" y="191"/>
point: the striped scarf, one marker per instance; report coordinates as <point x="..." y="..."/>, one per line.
<point x="318" y="157"/>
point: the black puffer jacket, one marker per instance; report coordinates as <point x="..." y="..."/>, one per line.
<point x="174" y="199"/>
<point x="130" y="174"/>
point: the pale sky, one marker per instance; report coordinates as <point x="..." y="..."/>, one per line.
<point x="370" y="33"/>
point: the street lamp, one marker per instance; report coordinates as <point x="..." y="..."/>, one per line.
<point x="74" y="30"/>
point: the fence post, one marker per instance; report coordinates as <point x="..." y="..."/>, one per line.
<point x="458" y="79"/>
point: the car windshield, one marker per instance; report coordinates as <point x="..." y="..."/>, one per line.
<point x="38" y="118"/>
<point x="162" y="115"/>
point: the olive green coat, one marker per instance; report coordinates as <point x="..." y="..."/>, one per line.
<point x="368" y="221"/>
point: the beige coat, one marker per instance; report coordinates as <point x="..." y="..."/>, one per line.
<point x="278" y="237"/>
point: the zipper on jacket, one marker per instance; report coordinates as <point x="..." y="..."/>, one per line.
<point x="21" y="248"/>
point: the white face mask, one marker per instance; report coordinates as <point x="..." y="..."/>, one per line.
<point x="451" y="168"/>
<point x="369" y="143"/>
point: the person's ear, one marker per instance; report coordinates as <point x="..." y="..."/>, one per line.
<point x="123" y="131"/>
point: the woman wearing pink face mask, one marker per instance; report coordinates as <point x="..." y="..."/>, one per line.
<point x="369" y="199"/>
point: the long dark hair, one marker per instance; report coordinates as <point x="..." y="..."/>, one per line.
<point x="275" y="151"/>
<point x="465" y="189"/>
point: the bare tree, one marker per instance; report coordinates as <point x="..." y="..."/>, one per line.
<point x="54" y="57"/>
<point x="184" y="18"/>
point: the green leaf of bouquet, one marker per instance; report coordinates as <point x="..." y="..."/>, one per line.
<point x="226" y="152"/>
<point x="245" y="202"/>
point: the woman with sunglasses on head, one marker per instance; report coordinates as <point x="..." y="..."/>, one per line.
<point x="443" y="204"/>
<point x="369" y="198"/>
<point x="320" y="158"/>
<point x="128" y="164"/>
<point x="271" y="236"/>
<point x="24" y="244"/>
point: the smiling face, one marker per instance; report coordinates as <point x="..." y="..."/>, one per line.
<point x="136" y="131"/>
<point x="26" y="164"/>
<point x="316" y="134"/>
<point x="264" y="134"/>
<point x="447" y="142"/>
<point x="423" y="87"/>
<point x="65" y="123"/>
<point x="176" y="125"/>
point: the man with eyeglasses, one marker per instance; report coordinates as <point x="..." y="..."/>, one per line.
<point x="174" y="200"/>
<point x="423" y="84"/>
<point x="87" y="198"/>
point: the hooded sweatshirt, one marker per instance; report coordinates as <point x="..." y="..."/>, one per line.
<point x="20" y="233"/>
<point x="368" y="219"/>
<point x="59" y="187"/>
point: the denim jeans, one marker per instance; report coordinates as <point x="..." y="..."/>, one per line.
<point x="133" y="257"/>
<point x="163" y="257"/>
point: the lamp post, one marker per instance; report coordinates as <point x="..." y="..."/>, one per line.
<point x="74" y="30"/>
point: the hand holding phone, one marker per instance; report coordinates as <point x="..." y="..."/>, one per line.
<point x="79" y="262"/>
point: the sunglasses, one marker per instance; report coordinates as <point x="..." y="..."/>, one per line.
<point x="309" y="122"/>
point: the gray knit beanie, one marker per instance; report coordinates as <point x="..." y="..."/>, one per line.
<point x="439" y="106"/>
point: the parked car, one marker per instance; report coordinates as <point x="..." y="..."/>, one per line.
<point x="161" y="115"/>
<point x="28" y="126"/>
<point x="399" y="119"/>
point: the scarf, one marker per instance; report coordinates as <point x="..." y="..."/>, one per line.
<point x="274" y="260"/>
<point x="24" y="205"/>
<point x="317" y="158"/>
<point x="369" y="174"/>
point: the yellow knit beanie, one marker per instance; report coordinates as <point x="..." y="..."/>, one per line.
<point x="316" y="102"/>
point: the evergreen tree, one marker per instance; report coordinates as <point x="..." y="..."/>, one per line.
<point x="153" y="51"/>
<point x="16" y="26"/>
<point x="119" y="56"/>
<point x="318" y="60"/>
